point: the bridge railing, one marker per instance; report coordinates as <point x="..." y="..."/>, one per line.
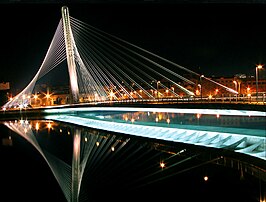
<point x="261" y="100"/>
<point x="253" y="100"/>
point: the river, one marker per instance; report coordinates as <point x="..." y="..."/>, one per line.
<point x="36" y="161"/>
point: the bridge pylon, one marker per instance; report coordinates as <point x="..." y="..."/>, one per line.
<point x="69" y="42"/>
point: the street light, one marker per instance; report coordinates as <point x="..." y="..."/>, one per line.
<point x="257" y="72"/>
<point x="235" y="82"/>
<point x="201" y="76"/>
<point x="158" y="82"/>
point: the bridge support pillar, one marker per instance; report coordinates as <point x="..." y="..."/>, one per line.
<point x="69" y="40"/>
<point x="76" y="175"/>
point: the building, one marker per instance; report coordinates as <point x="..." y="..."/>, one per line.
<point x="4" y="92"/>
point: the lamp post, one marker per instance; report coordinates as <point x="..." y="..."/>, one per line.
<point x="158" y="82"/>
<point x="201" y="76"/>
<point x="235" y="82"/>
<point x="257" y="72"/>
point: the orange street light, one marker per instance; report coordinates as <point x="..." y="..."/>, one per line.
<point x="257" y="72"/>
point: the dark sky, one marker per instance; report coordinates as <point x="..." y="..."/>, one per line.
<point x="221" y="39"/>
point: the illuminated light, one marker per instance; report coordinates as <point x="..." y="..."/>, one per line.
<point x="249" y="95"/>
<point x="157" y="119"/>
<point x="25" y="130"/>
<point x="162" y="164"/>
<point x="217" y="115"/>
<point x="198" y="116"/>
<point x="197" y="92"/>
<point x="111" y="94"/>
<point x="205" y="178"/>
<point x="60" y="130"/>
<point x="23" y="97"/>
<point x="112" y="148"/>
<point x="132" y="120"/>
<point x="37" y="126"/>
<point x="26" y="122"/>
<point x="11" y="99"/>
<point x="21" y="121"/>
<point x="68" y="132"/>
<point x="210" y="96"/>
<point x="97" y="144"/>
<point x="259" y="66"/>
<point x="35" y="96"/>
<point x="126" y="118"/>
<point x="30" y="126"/>
<point x="49" y="125"/>
<point x="248" y="88"/>
<point x="28" y="96"/>
<point x="183" y="150"/>
<point x="86" y="139"/>
<point x="47" y="96"/>
<point x="4" y="108"/>
<point x="168" y="120"/>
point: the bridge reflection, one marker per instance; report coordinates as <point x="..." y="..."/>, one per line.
<point x="91" y="162"/>
<point x="239" y="130"/>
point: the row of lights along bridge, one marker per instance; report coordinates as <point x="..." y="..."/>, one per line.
<point x="248" y="88"/>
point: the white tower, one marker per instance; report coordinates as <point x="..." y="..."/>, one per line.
<point x="69" y="41"/>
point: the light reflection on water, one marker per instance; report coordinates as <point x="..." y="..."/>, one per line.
<point x="122" y="166"/>
<point x="256" y="122"/>
<point x="235" y="124"/>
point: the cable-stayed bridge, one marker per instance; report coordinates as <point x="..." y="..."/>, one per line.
<point x="105" y="68"/>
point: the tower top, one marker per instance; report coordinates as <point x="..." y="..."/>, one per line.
<point x="65" y="11"/>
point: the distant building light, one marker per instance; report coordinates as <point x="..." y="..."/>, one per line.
<point x="4" y="86"/>
<point x="241" y="76"/>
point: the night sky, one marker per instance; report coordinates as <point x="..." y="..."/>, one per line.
<point x="220" y="39"/>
